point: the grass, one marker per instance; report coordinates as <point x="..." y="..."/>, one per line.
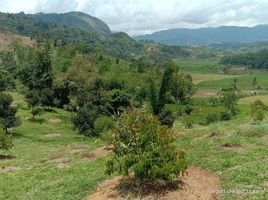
<point x="244" y="166"/>
<point x="249" y="100"/>
<point x="36" y="177"/>
<point x="202" y="66"/>
<point x="244" y="82"/>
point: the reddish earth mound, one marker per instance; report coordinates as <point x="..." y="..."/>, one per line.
<point x="97" y="153"/>
<point x="199" y="184"/>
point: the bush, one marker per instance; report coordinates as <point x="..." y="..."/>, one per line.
<point x="257" y="111"/>
<point x="225" y="116"/>
<point x="188" y="121"/>
<point x="103" y="124"/>
<point x="84" y="120"/>
<point x="5" y="140"/>
<point x="143" y="145"/>
<point x="166" y="118"/>
<point x="188" y="109"/>
<point x="212" y="118"/>
<point x="36" y="110"/>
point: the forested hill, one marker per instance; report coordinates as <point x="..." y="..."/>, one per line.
<point x="208" y="36"/>
<point x="75" y="20"/>
<point x="81" y="29"/>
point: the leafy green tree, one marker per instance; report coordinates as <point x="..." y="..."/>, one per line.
<point x="6" y="81"/>
<point x="182" y="88"/>
<point x="159" y="101"/>
<point x="167" y="77"/>
<point x="85" y="118"/>
<point x="254" y="83"/>
<point x="143" y="145"/>
<point x="38" y="74"/>
<point x="229" y="100"/>
<point x="153" y="97"/>
<point x="7" y="112"/>
<point x="257" y="111"/>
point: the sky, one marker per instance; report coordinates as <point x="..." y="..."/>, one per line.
<point x="146" y="16"/>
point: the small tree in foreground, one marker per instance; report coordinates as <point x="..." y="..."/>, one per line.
<point x="143" y="145"/>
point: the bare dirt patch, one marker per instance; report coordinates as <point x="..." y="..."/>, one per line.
<point x="52" y="134"/>
<point x="209" y="135"/>
<point x="61" y="162"/>
<point x="9" y="169"/>
<point x="205" y="93"/>
<point x="6" y="38"/>
<point x="198" y="184"/>
<point x="232" y="148"/>
<point x="97" y="153"/>
<point x="77" y="149"/>
<point x="54" y="120"/>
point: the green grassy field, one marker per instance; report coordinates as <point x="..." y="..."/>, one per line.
<point x="47" y="159"/>
<point x="34" y="175"/>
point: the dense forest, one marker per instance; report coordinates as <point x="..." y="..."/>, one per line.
<point x="253" y="60"/>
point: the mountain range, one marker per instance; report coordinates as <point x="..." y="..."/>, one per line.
<point x="208" y="36"/>
<point x="78" y="28"/>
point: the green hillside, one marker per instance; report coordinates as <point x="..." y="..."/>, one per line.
<point x="75" y="20"/>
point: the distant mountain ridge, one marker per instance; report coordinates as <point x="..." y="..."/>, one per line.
<point x="74" y="20"/>
<point x="208" y="36"/>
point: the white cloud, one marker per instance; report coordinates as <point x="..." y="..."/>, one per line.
<point x="146" y="16"/>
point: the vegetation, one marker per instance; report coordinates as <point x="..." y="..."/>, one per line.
<point x="257" y="111"/>
<point x="96" y="90"/>
<point x="141" y="144"/>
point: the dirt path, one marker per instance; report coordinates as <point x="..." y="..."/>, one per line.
<point x="199" y="184"/>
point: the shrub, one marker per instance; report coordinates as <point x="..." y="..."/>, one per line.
<point x="212" y="118"/>
<point x="7" y="112"/>
<point x="36" y="110"/>
<point x="103" y="124"/>
<point x="188" y="121"/>
<point x="257" y="111"/>
<point x="166" y="118"/>
<point x="84" y="120"/>
<point x="143" y="145"/>
<point x="225" y="116"/>
<point x="188" y="109"/>
<point x="5" y="140"/>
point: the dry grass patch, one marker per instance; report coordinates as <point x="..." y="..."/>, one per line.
<point x="61" y="162"/>
<point x="9" y="169"/>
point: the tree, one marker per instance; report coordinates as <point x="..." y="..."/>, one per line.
<point x="85" y="118"/>
<point x="229" y="100"/>
<point x="6" y="81"/>
<point x="7" y="112"/>
<point x="167" y="77"/>
<point x="182" y="88"/>
<point x="254" y="83"/>
<point x="143" y="145"/>
<point x="257" y="111"/>
<point x="159" y="101"/>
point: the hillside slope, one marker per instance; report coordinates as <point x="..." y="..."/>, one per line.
<point x="207" y="36"/>
<point x="75" y="20"/>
